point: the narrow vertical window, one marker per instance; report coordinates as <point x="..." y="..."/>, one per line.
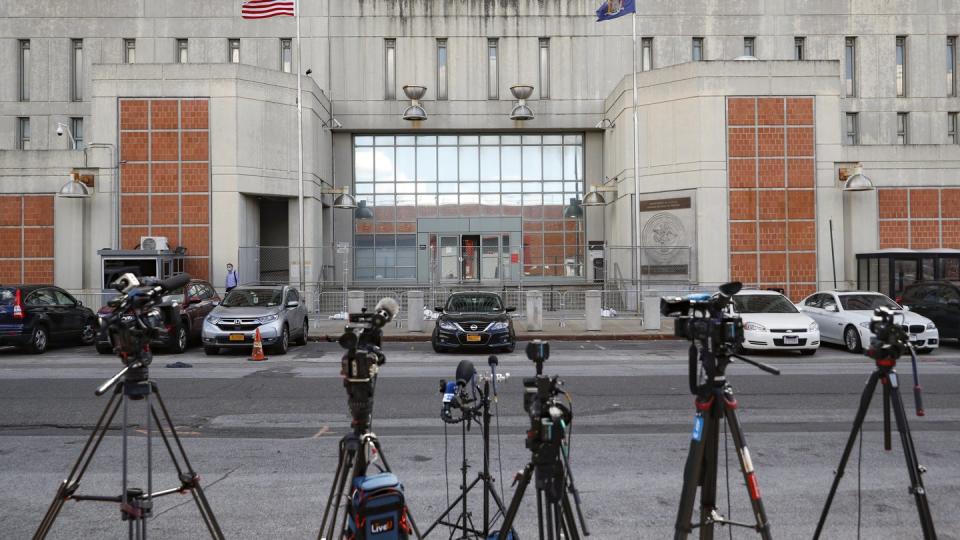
<point x="646" y="54"/>
<point x="697" y="54"/>
<point x="952" y="136"/>
<point x="901" y="66"/>
<point x="181" y="51"/>
<point x="750" y="46"/>
<point x="544" y="68"/>
<point x="441" y="69"/>
<point x="390" y="69"/>
<point x="233" y="51"/>
<point x="23" y="70"/>
<point x="903" y="124"/>
<point x="129" y="51"/>
<point x="23" y="133"/>
<point x="76" y="69"/>
<point x="850" y="67"/>
<point x="853" y="129"/>
<point x="952" y="66"/>
<point x="799" y="48"/>
<point x="286" y="55"/>
<point x="76" y="128"/>
<point x="493" y="69"/>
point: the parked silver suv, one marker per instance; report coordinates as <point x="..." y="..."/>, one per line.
<point x="274" y="309"/>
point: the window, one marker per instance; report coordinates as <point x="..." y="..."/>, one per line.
<point x="286" y="55"/>
<point x="952" y="66"/>
<point x="181" y="52"/>
<point x="129" y="51"/>
<point x="76" y="128"/>
<point x="903" y="137"/>
<point x="853" y="129"/>
<point x="750" y="46"/>
<point x="901" y="66"/>
<point x="646" y="54"/>
<point x="441" y="69"/>
<point x="493" y="69"/>
<point x="24" y="70"/>
<point x="697" y="55"/>
<point x="23" y="133"/>
<point x="799" y="48"/>
<point x="544" y="68"/>
<point x="390" y="69"/>
<point x="850" y="69"/>
<point x="233" y="51"/>
<point x="76" y="69"/>
<point x="952" y="136"/>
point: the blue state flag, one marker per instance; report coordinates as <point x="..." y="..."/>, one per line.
<point x="611" y="9"/>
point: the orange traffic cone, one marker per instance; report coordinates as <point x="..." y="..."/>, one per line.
<point x="257" y="354"/>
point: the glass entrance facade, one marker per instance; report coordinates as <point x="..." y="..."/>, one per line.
<point x="471" y="194"/>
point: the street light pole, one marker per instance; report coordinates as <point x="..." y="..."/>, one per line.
<point x="638" y="246"/>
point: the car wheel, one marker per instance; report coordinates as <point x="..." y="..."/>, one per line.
<point x="211" y="351"/>
<point x="509" y="348"/>
<point x="436" y="346"/>
<point x="851" y="340"/>
<point x="180" y="340"/>
<point x="808" y="352"/>
<point x="88" y="334"/>
<point x="104" y="348"/>
<point x="284" y="343"/>
<point x="302" y="340"/>
<point x="38" y="340"/>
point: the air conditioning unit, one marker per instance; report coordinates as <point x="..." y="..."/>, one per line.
<point x="154" y="243"/>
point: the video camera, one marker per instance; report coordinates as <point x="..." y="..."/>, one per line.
<point x="890" y="339"/>
<point x="134" y="318"/>
<point x="703" y="317"/>
<point x="359" y="366"/>
<point x="550" y="418"/>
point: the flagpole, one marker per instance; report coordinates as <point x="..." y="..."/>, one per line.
<point x="300" y="152"/>
<point x="636" y="171"/>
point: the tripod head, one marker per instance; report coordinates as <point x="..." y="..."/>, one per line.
<point x="361" y="363"/>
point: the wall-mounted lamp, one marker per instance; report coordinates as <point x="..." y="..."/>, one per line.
<point x="595" y="197"/>
<point x="74" y="188"/>
<point x="574" y="211"/>
<point x="363" y="211"/>
<point x="343" y="197"/>
<point x="414" y="93"/>
<point x="858" y="181"/>
<point x="521" y="92"/>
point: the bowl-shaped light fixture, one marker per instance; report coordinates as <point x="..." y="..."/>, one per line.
<point x="593" y="198"/>
<point x="574" y="211"/>
<point x="363" y="211"/>
<point x="415" y="111"/>
<point x="521" y="111"/>
<point x="345" y="201"/>
<point x="858" y="181"/>
<point x="74" y="189"/>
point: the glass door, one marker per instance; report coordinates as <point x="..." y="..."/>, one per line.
<point x="450" y="258"/>
<point x="490" y="258"/>
<point x="470" y="257"/>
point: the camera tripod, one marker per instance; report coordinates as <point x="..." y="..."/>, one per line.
<point x="136" y="504"/>
<point x="714" y="402"/>
<point x="464" y="522"/>
<point x="886" y="374"/>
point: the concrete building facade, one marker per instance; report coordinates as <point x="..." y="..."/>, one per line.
<point x="751" y="115"/>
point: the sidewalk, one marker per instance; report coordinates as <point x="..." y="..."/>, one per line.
<point x="573" y="330"/>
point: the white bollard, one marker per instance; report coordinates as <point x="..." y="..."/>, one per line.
<point x="651" y="313"/>
<point x="593" y="307"/>
<point x="354" y="301"/>
<point x="415" y="311"/>
<point x="534" y="311"/>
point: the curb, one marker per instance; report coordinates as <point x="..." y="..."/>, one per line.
<point x="416" y="338"/>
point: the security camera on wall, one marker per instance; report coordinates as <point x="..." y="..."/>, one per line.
<point x="59" y="130"/>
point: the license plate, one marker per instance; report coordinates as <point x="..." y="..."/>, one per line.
<point x="473" y="337"/>
<point x="791" y="340"/>
<point x="237" y="337"/>
<point x="914" y="337"/>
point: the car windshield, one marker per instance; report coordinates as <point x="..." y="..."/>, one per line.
<point x="763" y="303"/>
<point x="480" y="303"/>
<point x="866" y="302"/>
<point x="253" y="297"/>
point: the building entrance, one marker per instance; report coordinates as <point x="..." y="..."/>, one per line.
<point x="474" y="257"/>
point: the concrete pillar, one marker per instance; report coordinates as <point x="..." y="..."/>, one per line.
<point x="354" y="301"/>
<point x="651" y="312"/>
<point x="534" y="311"/>
<point x="68" y="229"/>
<point x="415" y="311"/>
<point x="592" y="304"/>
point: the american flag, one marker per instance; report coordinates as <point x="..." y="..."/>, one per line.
<point x="264" y="9"/>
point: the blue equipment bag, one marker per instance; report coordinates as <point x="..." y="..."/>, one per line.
<point x="377" y="509"/>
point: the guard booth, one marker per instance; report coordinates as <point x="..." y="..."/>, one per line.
<point x="888" y="271"/>
<point x="156" y="263"/>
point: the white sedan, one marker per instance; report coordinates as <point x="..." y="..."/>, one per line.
<point x="772" y="322"/>
<point x="844" y="319"/>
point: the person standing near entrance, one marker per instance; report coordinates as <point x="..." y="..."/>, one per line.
<point x="232" y="278"/>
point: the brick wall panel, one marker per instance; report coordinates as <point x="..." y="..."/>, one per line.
<point x="800" y="111"/>
<point x="950" y="202"/>
<point x="163" y="146"/>
<point x="803" y="267"/>
<point x="196" y="240"/>
<point x="743" y="236"/>
<point x="133" y="114"/>
<point x="165" y="178"/>
<point x="194" y="209"/>
<point x="133" y="146"/>
<point x="743" y="204"/>
<point x="894" y="234"/>
<point x="773" y="204"/>
<point x="924" y="203"/>
<point x="772" y="174"/>
<point x="773" y="267"/>
<point x="133" y="210"/>
<point x="801" y="173"/>
<point x="770" y="141"/>
<point x="171" y="233"/>
<point x="195" y="177"/>
<point x="773" y="236"/>
<point x="164" y="114"/>
<point x="164" y="210"/>
<point x="950" y="231"/>
<point x="770" y="112"/>
<point x="38" y="210"/>
<point x="38" y="242"/>
<point x="38" y="271"/>
<point x="194" y="114"/>
<point x="10" y="271"/>
<point x="198" y="268"/>
<point x="130" y="236"/>
<point x="195" y="146"/>
<point x="133" y="177"/>
<point x="743" y="173"/>
<point x="743" y="267"/>
<point x="10" y="242"/>
<point x="800" y="204"/>
<point x="799" y="291"/>
<point x="741" y="111"/>
<point x="924" y="234"/>
<point x="892" y="203"/>
<point x="11" y="210"/>
<point x="800" y="142"/>
<point x="802" y="235"/>
<point x="742" y="142"/>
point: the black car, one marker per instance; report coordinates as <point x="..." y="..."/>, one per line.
<point x="938" y="301"/>
<point x="33" y="316"/>
<point x="474" y="321"/>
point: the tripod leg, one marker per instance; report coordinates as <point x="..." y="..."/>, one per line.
<point x="857" y="425"/>
<point x="344" y="468"/>
<point x="749" y="476"/>
<point x="540" y="513"/>
<point x="708" y="486"/>
<point x="570" y="525"/>
<point x="550" y="514"/>
<point x="515" y="502"/>
<point x="910" y="453"/>
<point x="887" y="441"/>
<point x="692" y="475"/>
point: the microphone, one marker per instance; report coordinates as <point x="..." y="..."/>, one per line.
<point x="385" y="310"/>
<point x="174" y="282"/>
<point x="493" y="361"/>
<point x="465" y="373"/>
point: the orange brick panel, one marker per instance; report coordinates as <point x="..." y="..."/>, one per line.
<point x="743" y="236"/>
<point x="742" y="173"/>
<point x="924" y="203"/>
<point x="133" y="114"/>
<point x="164" y="178"/>
<point x="10" y="242"/>
<point x="773" y="267"/>
<point x="773" y="204"/>
<point x="363" y="226"/>
<point x="196" y="240"/>
<point x="133" y="178"/>
<point x="799" y="291"/>
<point x="770" y="141"/>
<point x="802" y="235"/>
<point x="743" y="204"/>
<point x="195" y="146"/>
<point x="133" y="146"/>
<point x="38" y="242"/>
<point x="10" y="210"/>
<point x="770" y="111"/>
<point x="164" y="210"/>
<point x="741" y="142"/>
<point x="10" y="270"/>
<point x="193" y="114"/>
<point x="773" y="236"/>
<point x="406" y="227"/>
<point x="197" y="268"/>
<point x="800" y="111"/>
<point x="800" y="142"/>
<point x="38" y="210"/>
<point x="924" y="234"/>
<point x="743" y="267"/>
<point x="38" y="271"/>
<point x="950" y="203"/>
<point x="163" y="146"/>
<point x="800" y="204"/>
<point x="741" y="111"/>
<point x="801" y="173"/>
<point x="893" y="234"/>
<point x="172" y="234"/>
<point x="386" y="227"/>
<point x="133" y="210"/>
<point x="892" y="203"/>
<point x="194" y="209"/>
<point x="803" y="267"/>
<point x="163" y="114"/>
<point x="772" y="173"/>
<point x="195" y="177"/>
<point x="130" y="236"/>
<point x="950" y="233"/>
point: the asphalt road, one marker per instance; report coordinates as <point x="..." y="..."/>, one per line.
<point x="264" y="438"/>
